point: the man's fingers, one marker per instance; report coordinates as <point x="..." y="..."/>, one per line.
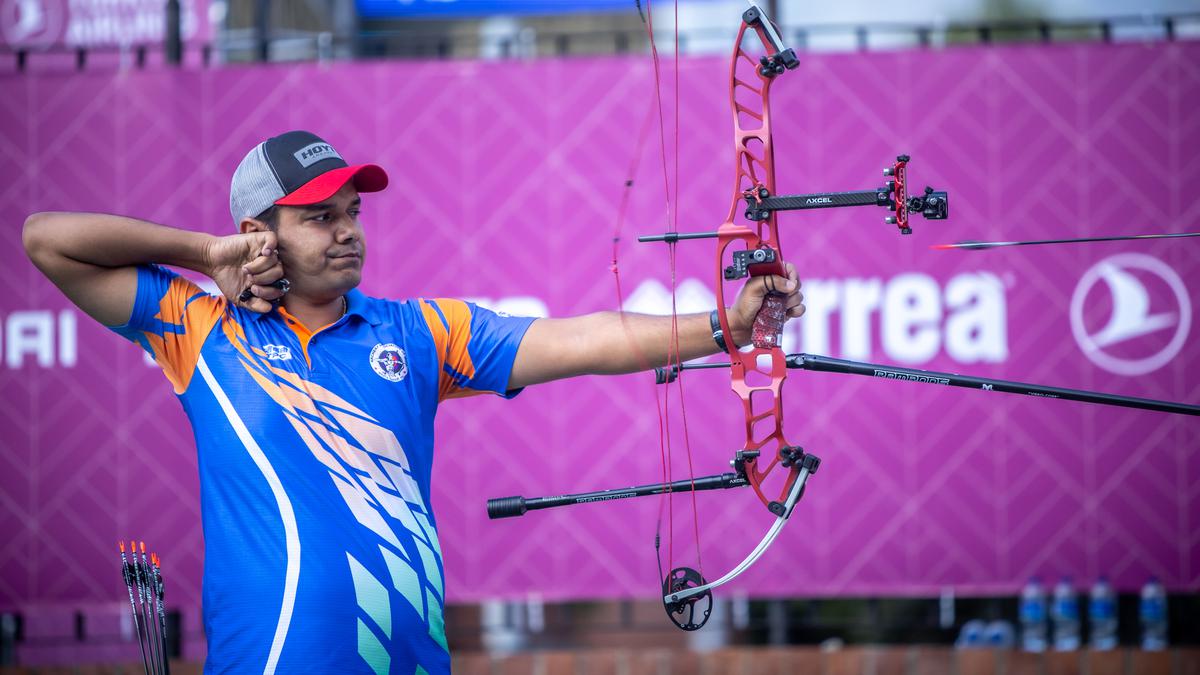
<point x="269" y="276"/>
<point x="259" y="298"/>
<point x="269" y="244"/>
<point x="776" y="284"/>
<point x="265" y="242"/>
<point x="261" y="264"/>
<point x="257" y="304"/>
<point x="267" y="292"/>
<point x="788" y="286"/>
<point x="795" y="304"/>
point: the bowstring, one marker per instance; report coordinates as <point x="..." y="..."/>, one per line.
<point x="675" y="309"/>
<point x="665" y="413"/>
<point x="687" y="441"/>
<point x="643" y="362"/>
<point x="662" y="406"/>
<point x="674" y="354"/>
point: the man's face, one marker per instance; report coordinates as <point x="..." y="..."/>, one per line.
<point x="321" y="246"/>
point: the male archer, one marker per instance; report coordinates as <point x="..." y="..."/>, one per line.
<point x="312" y="404"/>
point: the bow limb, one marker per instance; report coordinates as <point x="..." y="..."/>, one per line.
<point x="794" y="494"/>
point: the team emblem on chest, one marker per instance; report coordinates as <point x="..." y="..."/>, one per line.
<point x="277" y="352"/>
<point x="388" y="362"/>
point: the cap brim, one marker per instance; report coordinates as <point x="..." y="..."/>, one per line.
<point x="366" y="177"/>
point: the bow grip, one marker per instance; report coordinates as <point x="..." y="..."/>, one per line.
<point x="767" y="332"/>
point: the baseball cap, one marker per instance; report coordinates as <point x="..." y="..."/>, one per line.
<point x="296" y="168"/>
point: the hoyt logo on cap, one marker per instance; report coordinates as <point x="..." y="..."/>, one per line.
<point x="297" y="168"/>
<point x="311" y="154"/>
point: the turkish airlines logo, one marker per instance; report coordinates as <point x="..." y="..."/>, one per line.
<point x="1147" y="319"/>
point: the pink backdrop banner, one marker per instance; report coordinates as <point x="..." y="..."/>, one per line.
<point x="506" y="180"/>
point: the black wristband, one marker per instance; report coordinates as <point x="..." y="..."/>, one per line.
<point x="714" y="320"/>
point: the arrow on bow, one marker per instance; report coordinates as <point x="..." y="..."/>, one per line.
<point x="981" y="245"/>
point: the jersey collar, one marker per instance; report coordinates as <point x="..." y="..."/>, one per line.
<point x="357" y="304"/>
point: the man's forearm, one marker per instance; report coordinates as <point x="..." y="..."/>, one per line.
<point x="114" y="241"/>
<point x="642" y="341"/>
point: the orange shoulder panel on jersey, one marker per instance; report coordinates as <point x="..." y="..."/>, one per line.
<point x="450" y="323"/>
<point x="187" y="314"/>
<point x="456" y="392"/>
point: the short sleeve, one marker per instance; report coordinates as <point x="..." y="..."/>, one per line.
<point x="171" y="319"/>
<point x="476" y="347"/>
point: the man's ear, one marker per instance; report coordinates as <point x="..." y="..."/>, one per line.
<point x="252" y="225"/>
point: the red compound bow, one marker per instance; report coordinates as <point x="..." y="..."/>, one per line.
<point x="748" y="245"/>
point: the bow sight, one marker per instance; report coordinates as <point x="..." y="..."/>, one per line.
<point x="893" y="195"/>
<point x="760" y="204"/>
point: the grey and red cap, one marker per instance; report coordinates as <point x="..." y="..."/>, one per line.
<point x="296" y="168"/>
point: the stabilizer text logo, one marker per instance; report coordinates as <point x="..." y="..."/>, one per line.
<point x="1142" y="332"/>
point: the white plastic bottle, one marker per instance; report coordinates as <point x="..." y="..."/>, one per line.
<point x="1153" y="613"/>
<point x="1102" y="616"/>
<point x="1032" y="615"/>
<point x="970" y="636"/>
<point x="999" y="634"/>
<point x="1064" y="612"/>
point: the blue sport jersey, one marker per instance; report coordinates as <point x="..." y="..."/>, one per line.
<point x="315" y="450"/>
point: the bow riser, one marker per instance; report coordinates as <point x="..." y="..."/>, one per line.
<point x="761" y="453"/>
<point x="751" y="248"/>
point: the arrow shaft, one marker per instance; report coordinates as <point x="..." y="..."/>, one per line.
<point x="973" y="245"/>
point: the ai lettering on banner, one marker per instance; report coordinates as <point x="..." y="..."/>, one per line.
<point x="40" y="337"/>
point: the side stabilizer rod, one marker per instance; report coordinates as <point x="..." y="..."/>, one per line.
<point x="508" y="507"/>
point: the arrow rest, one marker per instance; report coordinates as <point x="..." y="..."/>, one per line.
<point x="683" y="613"/>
